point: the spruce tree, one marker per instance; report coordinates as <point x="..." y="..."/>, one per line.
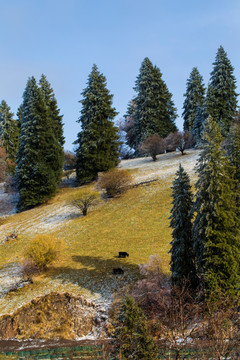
<point x="233" y="152"/>
<point x="182" y="258"/>
<point x="194" y="97"/>
<point x="9" y="131"/>
<point x="56" y="158"/>
<point x="155" y="112"/>
<point x="133" y="339"/>
<point x="216" y="225"/>
<point x="198" y="123"/>
<point x="233" y="149"/>
<point x="221" y="95"/>
<point x="36" y="178"/>
<point x="98" y="141"/>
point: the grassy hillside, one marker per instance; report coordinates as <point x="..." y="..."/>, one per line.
<point x="137" y="223"/>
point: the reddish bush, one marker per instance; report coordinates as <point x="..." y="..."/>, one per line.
<point x="152" y="145"/>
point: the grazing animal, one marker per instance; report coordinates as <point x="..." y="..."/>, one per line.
<point x="122" y="254"/>
<point x="118" y="271"/>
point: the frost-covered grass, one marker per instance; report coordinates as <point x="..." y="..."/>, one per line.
<point x="136" y="222"/>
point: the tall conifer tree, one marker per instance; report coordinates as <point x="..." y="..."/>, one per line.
<point x="55" y="122"/>
<point x="233" y="152"/>
<point x="198" y="124"/>
<point x="98" y="141"/>
<point x="221" y="95"/>
<point x="154" y="112"/>
<point x="194" y="97"/>
<point x="182" y="258"/>
<point x="36" y="178"/>
<point x="9" y="131"/>
<point x="216" y="226"/>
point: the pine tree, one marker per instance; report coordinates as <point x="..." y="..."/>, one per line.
<point x="36" y="178"/>
<point x="155" y="112"/>
<point x="182" y="258"/>
<point x="194" y="98"/>
<point x="233" y="152"/>
<point x="216" y="225"/>
<point x="98" y="142"/>
<point x="233" y="149"/>
<point x="133" y="339"/>
<point x="57" y="156"/>
<point x="221" y="95"/>
<point x="9" y="131"/>
<point x="198" y="124"/>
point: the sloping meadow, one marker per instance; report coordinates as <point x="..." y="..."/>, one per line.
<point x="137" y="223"/>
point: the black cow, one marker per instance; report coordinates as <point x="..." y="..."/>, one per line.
<point x="118" y="271"/>
<point x="122" y="254"/>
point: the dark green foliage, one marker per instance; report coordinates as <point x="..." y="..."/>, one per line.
<point x="36" y="177"/>
<point x="133" y="339"/>
<point x="154" y="109"/>
<point x="233" y="149"/>
<point x="56" y="158"/>
<point x="182" y="258"/>
<point x="9" y="131"/>
<point x="221" y="95"/>
<point x="198" y="124"/>
<point x="233" y="152"/>
<point x="194" y="98"/>
<point x="128" y="126"/>
<point x="98" y="142"/>
<point x="216" y="225"/>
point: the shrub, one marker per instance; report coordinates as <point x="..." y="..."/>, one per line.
<point x="43" y="250"/>
<point x="85" y="200"/>
<point x="114" y="182"/>
<point x="152" y="145"/>
<point x="179" y="140"/>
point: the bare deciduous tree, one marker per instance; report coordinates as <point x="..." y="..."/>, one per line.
<point x="85" y="200"/>
<point x="69" y="160"/>
<point x="179" y="140"/>
<point x="152" y="145"/>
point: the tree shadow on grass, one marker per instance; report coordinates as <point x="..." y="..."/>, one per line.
<point x="96" y="274"/>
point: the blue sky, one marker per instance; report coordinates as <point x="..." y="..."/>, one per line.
<point x="63" y="38"/>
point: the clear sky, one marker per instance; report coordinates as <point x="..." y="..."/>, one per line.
<point x="63" y="38"/>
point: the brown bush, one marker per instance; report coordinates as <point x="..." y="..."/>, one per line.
<point x="179" y="140"/>
<point x="114" y="182"/>
<point x="152" y="145"/>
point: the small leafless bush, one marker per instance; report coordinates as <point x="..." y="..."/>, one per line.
<point x="114" y="182"/>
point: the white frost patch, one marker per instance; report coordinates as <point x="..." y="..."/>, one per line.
<point x="165" y="166"/>
<point x="10" y="275"/>
<point x="54" y="216"/>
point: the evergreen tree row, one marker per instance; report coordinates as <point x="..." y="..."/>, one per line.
<point x="207" y="252"/>
<point x="220" y="101"/>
